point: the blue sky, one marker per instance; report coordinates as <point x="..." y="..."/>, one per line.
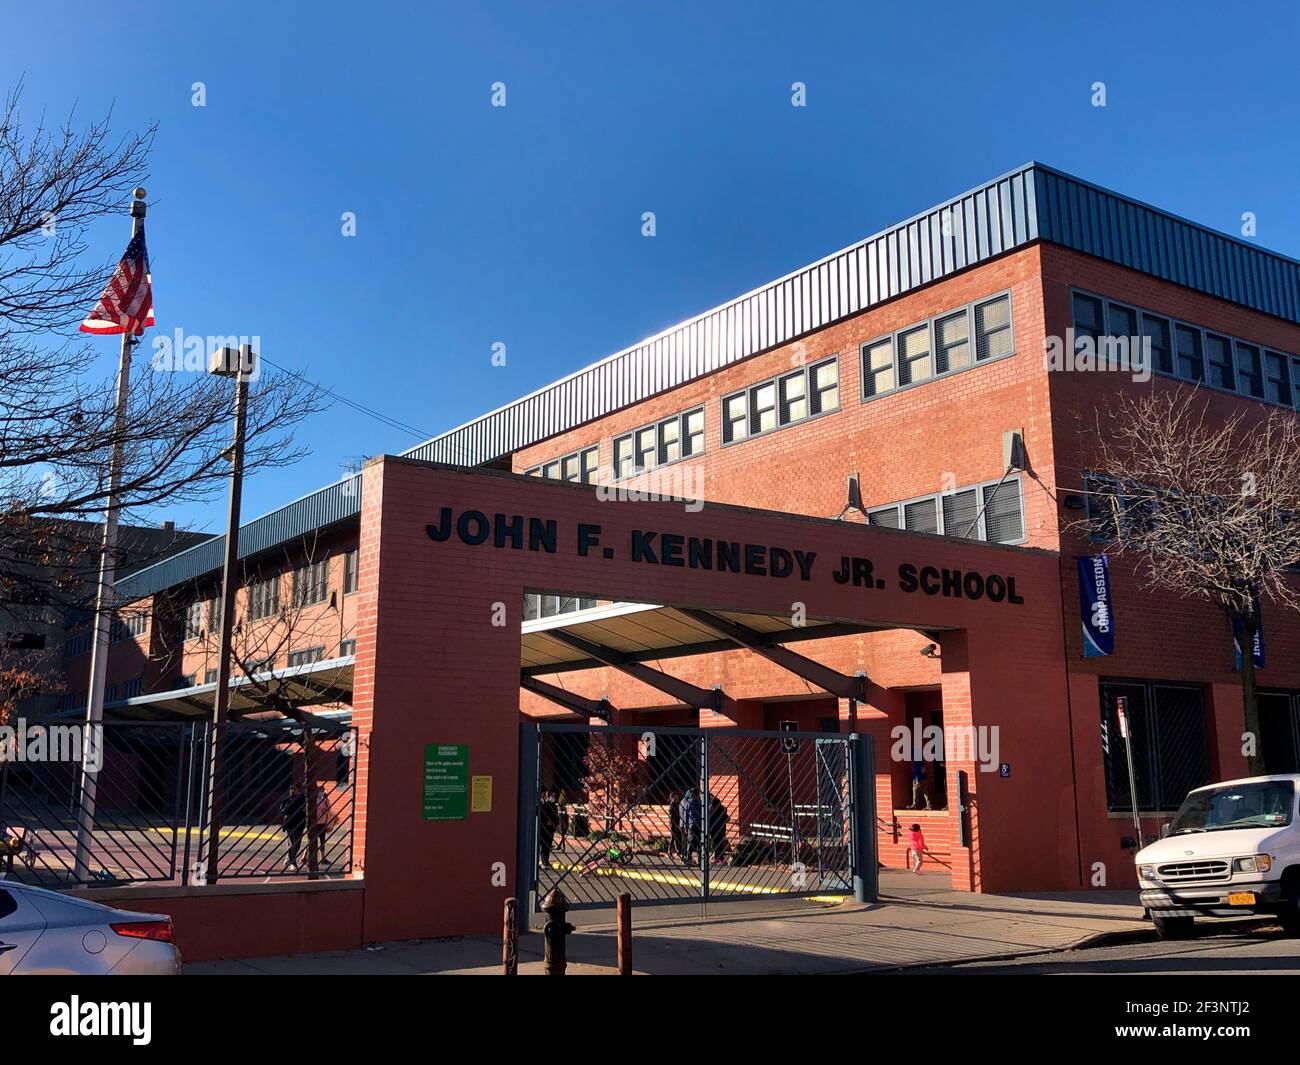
<point x="522" y="224"/>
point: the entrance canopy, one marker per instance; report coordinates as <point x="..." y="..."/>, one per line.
<point x="643" y="632"/>
<point x="329" y="681"/>
<point x="626" y="636"/>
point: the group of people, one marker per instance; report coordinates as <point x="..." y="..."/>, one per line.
<point x="293" y="818"/>
<point x="686" y="826"/>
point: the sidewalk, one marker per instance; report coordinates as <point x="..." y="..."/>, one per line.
<point x="919" y="920"/>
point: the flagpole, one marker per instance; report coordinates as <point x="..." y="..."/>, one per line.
<point x="101" y="637"/>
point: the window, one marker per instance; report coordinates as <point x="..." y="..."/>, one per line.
<point x="209" y="676"/>
<point x="1187" y="351"/>
<point x="786" y="400"/>
<point x="993" y="328"/>
<point x="939" y="346"/>
<point x="824" y="382"/>
<point x="878" y="367"/>
<point x="311" y="583"/>
<point x="914" y="355"/>
<point x="952" y="343"/>
<point x="992" y="512"/>
<point x="794" y="398"/>
<point x="589" y="460"/>
<point x="1170" y="751"/>
<point x="261" y="665"/>
<point x="579" y="466"/>
<point x="347" y="647"/>
<point x="214" y="614"/>
<point x="134" y="624"/>
<point x="623" y="462"/>
<point x="670" y="441"/>
<point x="77" y="645"/>
<point x="1003" y="520"/>
<point x="1156" y="331"/>
<point x="263" y="598"/>
<point x="306" y="656"/>
<point x="194" y="620"/>
<point x="694" y="423"/>
<point x="762" y="408"/>
<point x="1277" y="377"/>
<point x="1250" y="374"/>
<point x="735" y="420"/>
<point x="921" y="516"/>
<point x="1121" y="330"/>
<point x="961" y="514"/>
<point x="1218" y="359"/>
<point x="646" y="447"/>
<point x="663" y="442"/>
<point x="350" y="561"/>
<point x="1088" y="319"/>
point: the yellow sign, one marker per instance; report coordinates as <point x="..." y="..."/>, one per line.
<point x="480" y="795"/>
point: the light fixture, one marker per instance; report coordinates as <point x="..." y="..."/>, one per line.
<point x="930" y="651"/>
<point x="1073" y="502"/>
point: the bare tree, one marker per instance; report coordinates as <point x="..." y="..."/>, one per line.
<point x="57" y="415"/>
<point x="1209" y="508"/>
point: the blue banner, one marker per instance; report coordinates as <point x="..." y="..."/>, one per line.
<point x="1095" y="608"/>
<point x="1258" y="649"/>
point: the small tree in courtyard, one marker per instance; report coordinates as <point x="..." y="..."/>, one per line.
<point x="1208" y="508"/>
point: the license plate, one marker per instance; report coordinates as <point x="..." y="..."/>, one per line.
<point x="1241" y="898"/>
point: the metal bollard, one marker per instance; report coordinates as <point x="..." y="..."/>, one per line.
<point x="510" y="942"/>
<point x="625" y="934"/>
<point x="555" y="906"/>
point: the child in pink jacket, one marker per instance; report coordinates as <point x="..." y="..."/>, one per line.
<point x="915" y="846"/>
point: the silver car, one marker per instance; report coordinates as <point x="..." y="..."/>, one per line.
<point x="45" y="932"/>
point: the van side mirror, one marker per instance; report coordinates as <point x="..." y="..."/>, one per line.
<point x="1165" y="829"/>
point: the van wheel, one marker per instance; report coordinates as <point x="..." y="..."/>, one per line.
<point x="1173" y="927"/>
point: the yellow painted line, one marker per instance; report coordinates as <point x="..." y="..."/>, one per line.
<point x="227" y="834"/>
<point x="679" y="880"/>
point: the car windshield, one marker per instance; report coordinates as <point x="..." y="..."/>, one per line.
<point x="1263" y="804"/>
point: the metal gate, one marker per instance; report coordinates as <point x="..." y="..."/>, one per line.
<point x="672" y="814"/>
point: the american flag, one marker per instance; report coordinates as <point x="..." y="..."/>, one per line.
<point x="127" y="304"/>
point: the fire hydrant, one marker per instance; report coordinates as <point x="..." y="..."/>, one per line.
<point x="555" y="906"/>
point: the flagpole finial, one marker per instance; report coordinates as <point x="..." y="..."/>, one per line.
<point x="138" y="204"/>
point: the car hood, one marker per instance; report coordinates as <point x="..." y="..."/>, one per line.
<point x="1198" y="846"/>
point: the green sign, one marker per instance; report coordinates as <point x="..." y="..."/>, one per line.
<point x="446" y="782"/>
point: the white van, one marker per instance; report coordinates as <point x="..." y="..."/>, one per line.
<point x="1232" y="849"/>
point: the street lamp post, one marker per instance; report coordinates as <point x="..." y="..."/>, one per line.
<point x="239" y="365"/>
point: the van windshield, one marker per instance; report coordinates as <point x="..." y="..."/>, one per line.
<point x="1264" y="804"/>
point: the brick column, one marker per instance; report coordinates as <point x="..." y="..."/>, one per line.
<point x="432" y="667"/>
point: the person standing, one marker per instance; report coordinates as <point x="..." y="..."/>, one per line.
<point x="293" y="818"/>
<point x="548" y="820"/>
<point x="692" y="817"/>
<point x="718" y="818"/>
<point x="676" y="839"/>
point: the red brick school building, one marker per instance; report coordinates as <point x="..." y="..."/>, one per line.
<point x="510" y="571"/>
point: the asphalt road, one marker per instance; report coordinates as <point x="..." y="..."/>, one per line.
<point x="1259" y="949"/>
